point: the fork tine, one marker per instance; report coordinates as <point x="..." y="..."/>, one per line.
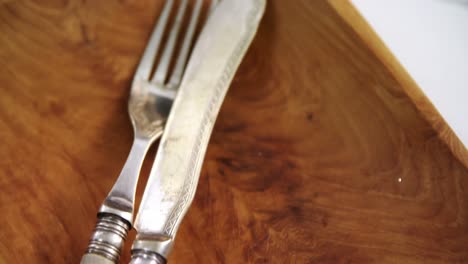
<point x="149" y="56"/>
<point x="163" y="67"/>
<point x="187" y="42"/>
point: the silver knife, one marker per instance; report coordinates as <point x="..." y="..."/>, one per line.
<point x="173" y="179"/>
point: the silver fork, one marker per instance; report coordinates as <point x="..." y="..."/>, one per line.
<point x="150" y="101"/>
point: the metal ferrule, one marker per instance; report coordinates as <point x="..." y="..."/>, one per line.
<point x="108" y="237"/>
<point x="150" y="247"/>
<point x="146" y="257"/>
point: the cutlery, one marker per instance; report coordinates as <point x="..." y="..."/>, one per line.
<point x="174" y="176"/>
<point x="150" y="102"/>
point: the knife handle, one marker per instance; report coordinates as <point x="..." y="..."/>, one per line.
<point x="146" y="257"/>
<point x="107" y="240"/>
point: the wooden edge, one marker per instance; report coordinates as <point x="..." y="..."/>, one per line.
<point x="351" y="15"/>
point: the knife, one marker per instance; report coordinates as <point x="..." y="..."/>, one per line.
<point x="174" y="176"/>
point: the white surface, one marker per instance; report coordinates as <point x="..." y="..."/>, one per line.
<point x="430" y="39"/>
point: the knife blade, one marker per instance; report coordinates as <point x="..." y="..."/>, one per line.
<point x="173" y="179"/>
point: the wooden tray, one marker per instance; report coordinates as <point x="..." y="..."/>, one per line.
<point x="324" y="152"/>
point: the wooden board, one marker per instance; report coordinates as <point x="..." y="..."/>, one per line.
<point x="320" y="153"/>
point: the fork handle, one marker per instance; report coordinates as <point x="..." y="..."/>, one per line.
<point x="89" y="258"/>
<point x="146" y="257"/>
<point x="107" y="240"/>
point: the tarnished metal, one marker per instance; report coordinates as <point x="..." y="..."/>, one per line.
<point x="149" y="105"/>
<point x="174" y="176"/>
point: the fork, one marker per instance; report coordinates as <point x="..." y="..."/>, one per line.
<point x="151" y="98"/>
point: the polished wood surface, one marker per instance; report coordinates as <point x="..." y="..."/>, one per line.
<point x="320" y="154"/>
<point x="349" y="13"/>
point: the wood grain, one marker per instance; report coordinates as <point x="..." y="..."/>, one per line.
<point x="319" y="155"/>
<point x="348" y="12"/>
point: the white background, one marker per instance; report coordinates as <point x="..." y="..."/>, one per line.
<point x="430" y="39"/>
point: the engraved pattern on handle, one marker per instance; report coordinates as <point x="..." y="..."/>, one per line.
<point x="108" y="237"/>
<point x="146" y="257"/>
